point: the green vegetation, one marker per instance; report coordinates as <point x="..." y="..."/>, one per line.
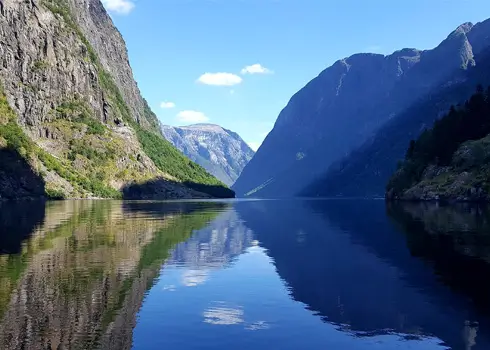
<point x="55" y="194"/>
<point x="168" y="159"/>
<point x="10" y="131"/>
<point x="40" y="66"/>
<point x="455" y="142"/>
<point x="151" y="117"/>
<point x="90" y="162"/>
<point x="89" y="184"/>
<point x="77" y="111"/>
<point x="16" y="139"/>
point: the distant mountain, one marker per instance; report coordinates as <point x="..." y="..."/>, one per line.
<point x="344" y="106"/>
<point x="221" y="152"/>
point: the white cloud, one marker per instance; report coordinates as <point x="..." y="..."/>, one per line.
<point x="259" y="325"/>
<point x="223" y="316"/>
<point x="219" y="79"/>
<point x="192" y="117"/>
<point x="256" y="69"/>
<point x="167" y="105"/>
<point x="192" y="278"/>
<point x="122" y="7"/>
<point x="169" y="287"/>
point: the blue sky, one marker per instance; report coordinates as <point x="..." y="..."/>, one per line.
<point x="265" y="50"/>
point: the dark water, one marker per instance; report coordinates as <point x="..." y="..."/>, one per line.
<point x="243" y="275"/>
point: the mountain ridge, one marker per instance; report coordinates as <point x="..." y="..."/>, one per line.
<point x="222" y="152"/>
<point x="366" y="171"/>
<point x="341" y="108"/>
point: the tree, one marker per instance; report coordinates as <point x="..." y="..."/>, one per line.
<point x="411" y="149"/>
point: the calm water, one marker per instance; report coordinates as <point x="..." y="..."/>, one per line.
<point x="243" y="275"/>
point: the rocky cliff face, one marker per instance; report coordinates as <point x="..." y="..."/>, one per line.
<point x="221" y="152"/>
<point x="337" y="111"/>
<point x="50" y="54"/>
<point x="111" y="50"/>
<point x="70" y="105"/>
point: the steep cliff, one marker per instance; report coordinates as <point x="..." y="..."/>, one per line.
<point x="366" y="171"/>
<point x="221" y="152"/>
<point x="72" y="110"/>
<point x="341" y="108"/>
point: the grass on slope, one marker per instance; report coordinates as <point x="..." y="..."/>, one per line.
<point x="168" y="159"/>
<point x="12" y="136"/>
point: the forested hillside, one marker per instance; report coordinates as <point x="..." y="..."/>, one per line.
<point x="451" y="160"/>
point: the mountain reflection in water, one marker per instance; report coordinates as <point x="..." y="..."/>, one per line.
<point x="244" y="274"/>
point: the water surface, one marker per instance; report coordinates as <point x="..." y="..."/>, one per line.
<point x="299" y="274"/>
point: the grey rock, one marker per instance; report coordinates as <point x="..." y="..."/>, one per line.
<point x="221" y="152"/>
<point x="54" y="52"/>
<point x="111" y="50"/>
<point x="44" y="62"/>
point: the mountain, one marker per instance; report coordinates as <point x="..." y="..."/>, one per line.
<point x="340" y="109"/>
<point x="73" y="122"/>
<point x="221" y="152"/>
<point x="366" y="171"/>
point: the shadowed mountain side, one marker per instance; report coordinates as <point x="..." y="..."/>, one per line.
<point x="366" y="171"/>
<point x="167" y="189"/>
<point x="17" y="179"/>
<point x="18" y="220"/>
<point x="343" y="107"/>
<point x="377" y="288"/>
